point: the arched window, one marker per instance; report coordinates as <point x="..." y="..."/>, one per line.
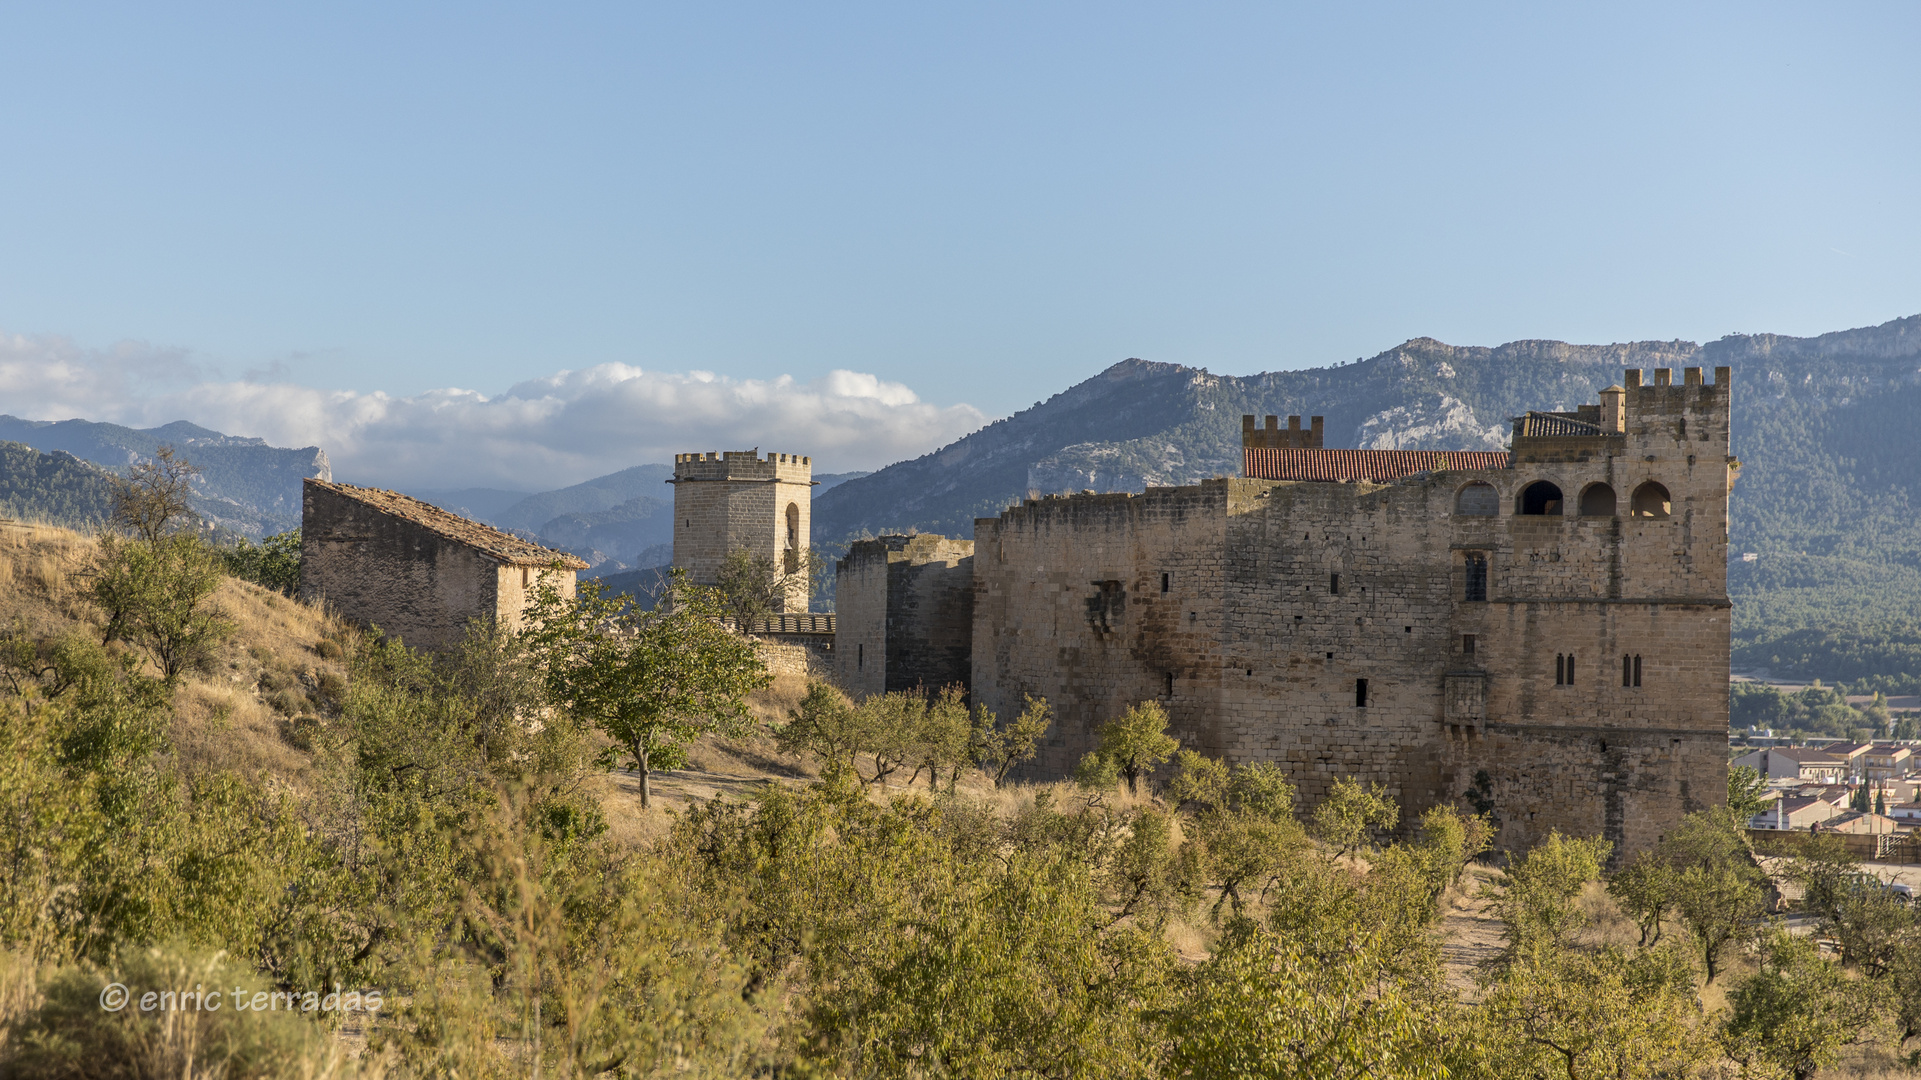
<point x="1477" y="500"/>
<point x="793" y="525"/>
<point x="1597" y="501"/>
<point x="1651" y="501"/>
<point x="1560" y="670"/>
<point x="1540" y="498"/>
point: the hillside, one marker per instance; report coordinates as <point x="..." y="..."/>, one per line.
<point x="1825" y="502"/>
<point x="244" y="485"/>
<point x="52" y="487"/>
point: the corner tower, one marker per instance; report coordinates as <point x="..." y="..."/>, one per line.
<point x="739" y="500"/>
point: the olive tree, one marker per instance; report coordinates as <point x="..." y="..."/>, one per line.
<point x="653" y="681"/>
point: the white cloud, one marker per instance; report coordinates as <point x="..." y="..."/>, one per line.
<point x="545" y="432"/>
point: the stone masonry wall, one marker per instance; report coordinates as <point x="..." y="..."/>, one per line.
<point x="1279" y="598"/>
<point x="905" y="606"/>
<point x="376" y="569"/>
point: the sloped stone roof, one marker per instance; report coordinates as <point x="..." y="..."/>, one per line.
<point x="1536" y="425"/>
<point x="1378" y="466"/>
<point x="486" y="539"/>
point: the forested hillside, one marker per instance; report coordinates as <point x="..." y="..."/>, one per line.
<point x="56" y="487"/>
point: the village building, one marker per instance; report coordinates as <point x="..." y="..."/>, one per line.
<point x="1853" y="754"/>
<point x="1799" y="763"/>
<point x="417" y="572"/>
<point x="1795" y="813"/>
<point x="1888" y="761"/>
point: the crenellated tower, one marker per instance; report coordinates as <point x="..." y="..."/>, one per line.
<point x="740" y="500"/>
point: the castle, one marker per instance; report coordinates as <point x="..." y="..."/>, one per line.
<point x="1541" y="632"/>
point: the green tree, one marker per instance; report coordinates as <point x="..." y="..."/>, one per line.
<point x="826" y="725"/>
<point x="156" y="595"/>
<point x="1352" y="812"/>
<point x="1719" y="894"/>
<point x="1000" y="748"/>
<point x="1137" y="742"/>
<point x="1609" y="1011"/>
<point x="653" y="681"/>
<point x="1645" y="890"/>
<point x="1535" y="902"/>
<point x="273" y="563"/>
<point x="1747" y="792"/>
<point x="1793" y="1017"/>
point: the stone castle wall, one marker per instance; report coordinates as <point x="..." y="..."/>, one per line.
<point x="1255" y="609"/>
<point x="905" y="611"/>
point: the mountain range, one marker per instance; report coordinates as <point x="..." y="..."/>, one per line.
<point x="244" y="485"/>
<point x="1825" y="427"/>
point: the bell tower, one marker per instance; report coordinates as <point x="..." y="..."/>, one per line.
<point x="739" y="500"/>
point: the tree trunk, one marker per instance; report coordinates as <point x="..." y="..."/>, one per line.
<point x="646" y="788"/>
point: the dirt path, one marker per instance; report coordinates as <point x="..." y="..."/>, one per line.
<point x="1470" y="934"/>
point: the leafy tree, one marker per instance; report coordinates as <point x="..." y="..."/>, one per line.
<point x="1645" y="889"/>
<point x="1747" y="792"/>
<point x="1795" y="1015"/>
<point x="752" y="586"/>
<point x="1351" y="813"/>
<point x="155" y="496"/>
<point x="826" y="725"/>
<point x="273" y="563"/>
<point x="1596" y="1012"/>
<point x="155" y="595"/>
<point x="1536" y="903"/>
<point x="999" y="749"/>
<point x="1246" y="832"/>
<point x="1137" y="742"/>
<point x="942" y="735"/>
<point x="1717" y="891"/>
<point x="653" y="681"/>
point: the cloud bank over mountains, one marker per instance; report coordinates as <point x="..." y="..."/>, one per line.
<point x="558" y="429"/>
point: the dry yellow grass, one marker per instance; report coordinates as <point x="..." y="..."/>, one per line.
<point x="242" y="713"/>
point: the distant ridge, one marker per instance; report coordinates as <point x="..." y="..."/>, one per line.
<point x="244" y="485"/>
<point x="1825" y="425"/>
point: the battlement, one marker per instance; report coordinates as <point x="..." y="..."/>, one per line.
<point x="742" y="465"/>
<point x="1664" y="386"/>
<point x="1274" y="437"/>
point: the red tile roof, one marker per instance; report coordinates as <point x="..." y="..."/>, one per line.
<point x="490" y="541"/>
<point x="1378" y="466"/>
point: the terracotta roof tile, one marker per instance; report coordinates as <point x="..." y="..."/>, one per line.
<point x="483" y="538"/>
<point x="1378" y="466"/>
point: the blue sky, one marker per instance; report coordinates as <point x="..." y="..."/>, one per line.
<point x="979" y="203"/>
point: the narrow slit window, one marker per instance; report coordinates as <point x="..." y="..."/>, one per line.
<point x="1467" y="644"/>
<point x="1169" y="689"/>
<point x="1334" y="584"/>
<point x="1637" y="669"/>
<point x="860" y="656"/>
<point x="1627" y="670"/>
<point x="1570" y="669"/>
<point x="1164" y="582"/>
<point x="1476" y="567"/>
<point x="1560" y="670"/>
<point x="1360" y="693"/>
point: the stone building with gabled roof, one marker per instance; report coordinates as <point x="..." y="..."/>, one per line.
<point x="414" y="570"/>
